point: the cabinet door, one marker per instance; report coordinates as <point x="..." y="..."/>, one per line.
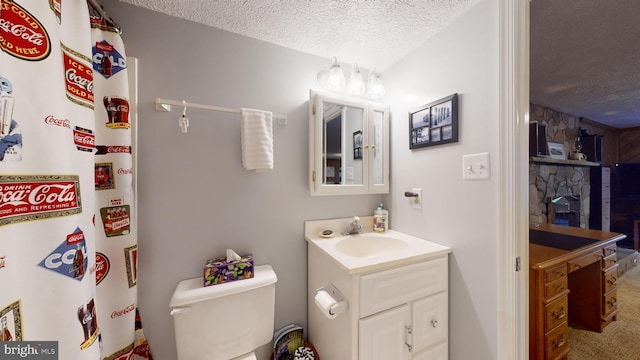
<point x="430" y="321"/>
<point x="438" y="352"/>
<point x="384" y="336"/>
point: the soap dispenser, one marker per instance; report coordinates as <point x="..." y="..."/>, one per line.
<point x="380" y="219"/>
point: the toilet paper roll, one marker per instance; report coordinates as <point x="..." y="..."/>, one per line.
<point x="324" y="302"/>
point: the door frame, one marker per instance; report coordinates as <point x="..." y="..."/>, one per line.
<point x="513" y="257"/>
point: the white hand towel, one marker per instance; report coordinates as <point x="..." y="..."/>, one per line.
<point x="256" y="134"/>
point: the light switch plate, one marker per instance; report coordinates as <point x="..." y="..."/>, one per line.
<point x="476" y="166"/>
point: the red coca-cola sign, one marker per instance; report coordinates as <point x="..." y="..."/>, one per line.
<point x="112" y="149"/>
<point x="84" y="139"/>
<point x="21" y="34"/>
<point x="78" y="76"/>
<point x="102" y="267"/>
<point x="36" y="197"/>
<point x="75" y="237"/>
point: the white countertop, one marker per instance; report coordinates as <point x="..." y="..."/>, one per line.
<point x="417" y="249"/>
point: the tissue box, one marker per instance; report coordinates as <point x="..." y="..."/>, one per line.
<point x="220" y="271"/>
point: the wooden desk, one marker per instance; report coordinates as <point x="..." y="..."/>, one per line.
<point x="576" y="284"/>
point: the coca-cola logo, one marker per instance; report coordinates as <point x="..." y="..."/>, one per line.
<point x="25" y="198"/>
<point x="51" y="120"/>
<point x="78" y="77"/>
<point x="112" y="149"/>
<point x="84" y="139"/>
<point x="102" y="267"/>
<point x="118" y="313"/>
<point x="122" y="171"/>
<point x="76" y="237"/>
<point x="21" y="34"/>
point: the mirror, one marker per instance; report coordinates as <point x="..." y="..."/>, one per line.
<point x="347" y="145"/>
<point x="341" y="151"/>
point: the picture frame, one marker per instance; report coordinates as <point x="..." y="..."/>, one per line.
<point x="556" y="150"/>
<point x="357" y="145"/>
<point x="435" y="123"/>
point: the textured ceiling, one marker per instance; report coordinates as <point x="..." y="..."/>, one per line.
<point x="585" y="57"/>
<point x="374" y="33"/>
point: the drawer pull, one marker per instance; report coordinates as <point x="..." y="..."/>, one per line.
<point x="613" y="280"/>
<point x="613" y="302"/>
<point x="434" y="323"/>
<point x="560" y="287"/>
<point x="559" y="343"/>
<point x="559" y="315"/>
<point x="408" y="339"/>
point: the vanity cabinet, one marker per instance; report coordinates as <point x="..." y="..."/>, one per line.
<point x="348" y="145"/>
<point x="398" y="312"/>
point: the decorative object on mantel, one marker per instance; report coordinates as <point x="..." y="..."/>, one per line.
<point x="435" y="123"/>
<point x="577" y="153"/>
<point x="556" y="150"/>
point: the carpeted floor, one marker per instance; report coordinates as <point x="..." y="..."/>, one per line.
<point x="620" y="340"/>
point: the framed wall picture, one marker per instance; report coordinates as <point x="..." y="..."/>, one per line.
<point x="556" y="150"/>
<point x="435" y="123"/>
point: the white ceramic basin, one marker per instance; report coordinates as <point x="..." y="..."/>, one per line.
<point x="364" y="246"/>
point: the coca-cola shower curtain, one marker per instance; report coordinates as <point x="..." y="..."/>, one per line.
<point x="68" y="249"/>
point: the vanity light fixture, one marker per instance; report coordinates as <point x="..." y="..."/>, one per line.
<point x="333" y="79"/>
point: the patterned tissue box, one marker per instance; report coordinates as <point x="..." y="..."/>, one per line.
<point x="220" y="271"/>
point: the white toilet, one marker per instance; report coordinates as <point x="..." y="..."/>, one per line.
<point x="226" y="321"/>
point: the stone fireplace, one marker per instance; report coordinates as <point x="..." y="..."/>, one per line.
<point x="548" y="182"/>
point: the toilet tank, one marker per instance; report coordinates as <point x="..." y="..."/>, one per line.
<point x="224" y="321"/>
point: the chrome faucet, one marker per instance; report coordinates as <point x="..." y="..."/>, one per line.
<point x="354" y="227"/>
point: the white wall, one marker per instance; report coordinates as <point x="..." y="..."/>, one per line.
<point x="461" y="214"/>
<point x="195" y="199"/>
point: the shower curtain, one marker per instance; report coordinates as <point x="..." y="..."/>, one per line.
<point x="68" y="247"/>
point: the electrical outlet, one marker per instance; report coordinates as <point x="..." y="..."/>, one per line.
<point x="476" y="167"/>
<point x="416" y="202"/>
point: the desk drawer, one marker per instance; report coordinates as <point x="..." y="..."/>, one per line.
<point x="610" y="302"/>
<point x="555" y="287"/>
<point x="609" y="261"/>
<point x="610" y="279"/>
<point x="584" y="261"/>
<point x="556" y="341"/>
<point x="555" y="273"/>
<point x="610" y="250"/>
<point x="555" y="313"/>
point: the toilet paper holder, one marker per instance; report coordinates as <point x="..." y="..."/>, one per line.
<point x="342" y="305"/>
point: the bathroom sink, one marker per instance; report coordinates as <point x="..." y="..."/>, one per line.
<point x="369" y="251"/>
<point x="367" y="246"/>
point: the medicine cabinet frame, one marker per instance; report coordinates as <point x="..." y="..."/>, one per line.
<point x="372" y="157"/>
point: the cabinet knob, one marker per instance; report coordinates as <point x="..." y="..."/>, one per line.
<point x="434" y="323"/>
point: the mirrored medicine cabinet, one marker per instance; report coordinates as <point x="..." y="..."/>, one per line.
<point x="348" y="145"/>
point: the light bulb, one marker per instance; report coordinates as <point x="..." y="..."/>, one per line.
<point x="375" y="88"/>
<point x="356" y="84"/>
<point x="335" y="80"/>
